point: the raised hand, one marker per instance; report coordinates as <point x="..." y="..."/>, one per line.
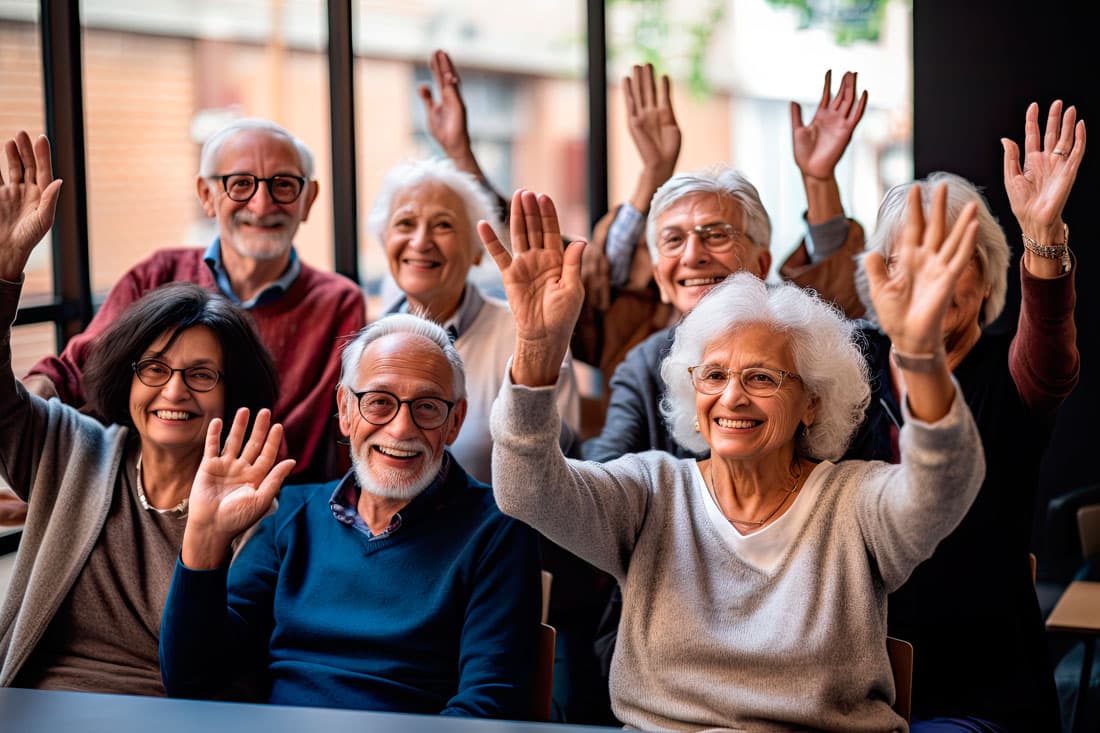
<point x="447" y="116"/>
<point x="912" y="295"/>
<point x="1038" y="191"/>
<point x="542" y="280"/>
<point x="653" y="129"/>
<point x="819" y="145"/>
<point x="28" y="199"/>
<point x="233" y="488"/>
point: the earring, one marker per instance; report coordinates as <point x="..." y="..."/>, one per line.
<point x="696" y="425"/>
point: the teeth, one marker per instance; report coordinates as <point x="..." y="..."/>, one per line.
<point x="735" y="424"/>
<point x="690" y="282"/>
<point x="396" y="453"/>
<point x="172" y="415"/>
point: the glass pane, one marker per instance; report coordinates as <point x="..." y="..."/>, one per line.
<point x="733" y="108"/>
<point x="522" y="70"/>
<point x="22" y="108"/>
<point x="29" y="344"/>
<point x="159" y="78"/>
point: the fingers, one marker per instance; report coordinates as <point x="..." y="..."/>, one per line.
<point x="959" y="247"/>
<point x="628" y="97"/>
<point x="796" y="116"/>
<point x="15" y="165"/>
<point x="875" y="267"/>
<point x="273" y="441"/>
<point x="259" y="434"/>
<point x="846" y="94"/>
<point x="274" y="479"/>
<point x="913" y="228"/>
<point x="549" y="214"/>
<point x="43" y="161"/>
<point x="1068" y="130"/>
<point x="1053" y="128"/>
<point x="1011" y="159"/>
<point x="571" y="261"/>
<point x="664" y="101"/>
<point x="826" y="91"/>
<point x="23" y="144"/>
<point x="236" y="433"/>
<point x="856" y="114"/>
<point x="213" y="439"/>
<point x="516" y="226"/>
<point x="493" y="246"/>
<point x="934" y="228"/>
<point x="532" y="220"/>
<point x="1031" y="129"/>
<point x="649" y="87"/>
<point x="425" y="92"/>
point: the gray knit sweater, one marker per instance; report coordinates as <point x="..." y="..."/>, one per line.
<point x="782" y="629"/>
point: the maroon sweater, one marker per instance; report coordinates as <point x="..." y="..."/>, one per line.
<point x="303" y="329"/>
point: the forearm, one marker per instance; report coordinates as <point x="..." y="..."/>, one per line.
<point x="1043" y="359"/>
<point x="822" y="199"/>
<point x="193" y="638"/>
<point x="647" y="184"/>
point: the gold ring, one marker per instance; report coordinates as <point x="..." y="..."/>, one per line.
<point x="1059" y="152"/>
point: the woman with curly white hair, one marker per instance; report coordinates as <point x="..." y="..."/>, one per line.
<point x="425" y="215"/>
<point x="754" y="580"/>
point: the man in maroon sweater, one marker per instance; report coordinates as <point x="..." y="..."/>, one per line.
<point x="255" y="180"/>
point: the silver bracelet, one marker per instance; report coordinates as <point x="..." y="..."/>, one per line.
<point x="1051" y="251"/>
<point x="919" y="363"/>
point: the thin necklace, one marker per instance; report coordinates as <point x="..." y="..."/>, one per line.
<point x="753" y="522"/>
<point x="181" y="507"/>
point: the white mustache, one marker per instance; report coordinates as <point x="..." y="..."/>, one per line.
<point x="274" y="220"/>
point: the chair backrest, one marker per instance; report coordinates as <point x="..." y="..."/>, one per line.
<point x="901" y="662"/>
<point x="542" y="692"/>
<point x="1088" y="527"/>
<point x="547" y="582"/>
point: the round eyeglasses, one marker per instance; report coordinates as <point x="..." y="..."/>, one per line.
<point x="380" y="408"/>
<point x="155" y="373"/>
<point x="757" y="381"/>
<point x="283" y="189"/>
<point x="715" y="238"/>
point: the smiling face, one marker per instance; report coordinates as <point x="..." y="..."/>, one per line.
<point x="684" y="279"/>
<point x="741" y="426"/>
<point x="398" y="460"/>
<point x="174" y="417"/>
<point x="259" y="228"/>
<point x="427" y="241"/>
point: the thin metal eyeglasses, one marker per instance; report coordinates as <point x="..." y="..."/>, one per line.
<point x="715" y="238"/>
<point x="757" y="381"/>
<point x="283" y="189"/>
<point x="379" y="407"/>
<point x="155" y="373"/>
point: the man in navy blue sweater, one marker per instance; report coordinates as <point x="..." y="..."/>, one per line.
<point x="400" y="587"/>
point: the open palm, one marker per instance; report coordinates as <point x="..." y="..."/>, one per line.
<point x="913" y="294"/>
<point x="28" y="200"/>
<point x="819" y="146"/>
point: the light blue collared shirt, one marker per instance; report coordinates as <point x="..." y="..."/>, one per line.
<point x="461" y="319"/>
<point x="213" y="258"/>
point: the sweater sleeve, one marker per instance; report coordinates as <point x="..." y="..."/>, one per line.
<point x="24" y="417"/>
<point x="833" y="278"/>
<point x="502" y="616"/>
<point x="906" y="509"/>
<point x="217" y="624"/>
<point x="593" y="510"/>
<point x="1043" y="358"/>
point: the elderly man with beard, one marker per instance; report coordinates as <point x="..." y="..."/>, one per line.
<point x="401" y="587"/>
<point x="256" y="180"/>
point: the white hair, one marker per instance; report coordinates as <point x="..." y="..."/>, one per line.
<point x="409" y="323"/>
<point x="991" y="245"/>
<point x="476" y="200"/>
<point x="722" y="180"/>
<point x="208" y="159"/>
<point x="822" y="341"/>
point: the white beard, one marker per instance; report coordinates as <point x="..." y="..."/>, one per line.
<point x="394" y="484"/>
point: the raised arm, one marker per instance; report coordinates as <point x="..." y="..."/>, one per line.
<point x="28" y="200"/>
<point x="447" y="122"/>
<point x="1044" y="361"/>
<point x="819" y="146"/>
<point x="233" y="488"/>
<point x="913" y="294"/>
<point x="542" y="279"/>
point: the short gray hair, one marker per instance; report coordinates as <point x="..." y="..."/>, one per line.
<point x="208" y="159"/>
<point x="411" y="324"/>
<point x="823" y="342"/>
<point x="476" y="200"/>
<point x="722" y="180"/>
<point x="991" y="245"/>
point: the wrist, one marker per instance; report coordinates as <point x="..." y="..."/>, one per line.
<point x="920" y="362"/>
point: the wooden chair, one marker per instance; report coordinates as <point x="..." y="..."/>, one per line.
<point x="1088" y="527"/>
<point x="542" y="692"/>
<point x="901" y="663"/>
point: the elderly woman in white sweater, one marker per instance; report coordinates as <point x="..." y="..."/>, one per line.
<point x="754" y="581"/>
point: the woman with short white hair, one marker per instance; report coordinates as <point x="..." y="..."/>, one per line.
<point x="754" y="580"/>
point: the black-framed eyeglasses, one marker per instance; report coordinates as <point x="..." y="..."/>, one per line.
<point x="757" y="381"/>
<point x="283" y="188"/>
<point x="379" y="407"/>
<point x="716" y="238"/>
<point x="155" y="373"/>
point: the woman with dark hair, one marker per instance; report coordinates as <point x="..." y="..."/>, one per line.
<point x="108" y="504"/>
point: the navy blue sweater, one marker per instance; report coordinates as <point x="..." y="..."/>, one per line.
<point x="439" y="617"/>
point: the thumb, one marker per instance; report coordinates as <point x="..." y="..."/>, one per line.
<point x="425" y="93"/>
<point x="571" y="260"/>
<point x="875" y="267"/>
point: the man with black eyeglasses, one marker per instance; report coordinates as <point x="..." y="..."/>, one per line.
<point x="401" y="587"/>
<point x="256" y="181"/>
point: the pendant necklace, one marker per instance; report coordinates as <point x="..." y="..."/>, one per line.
<point x="752" y="522"/>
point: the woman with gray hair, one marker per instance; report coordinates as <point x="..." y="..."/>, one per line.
<point x="754" y="581"/>
<point x="425" y="216"/>
<point x="970" y="611"/>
